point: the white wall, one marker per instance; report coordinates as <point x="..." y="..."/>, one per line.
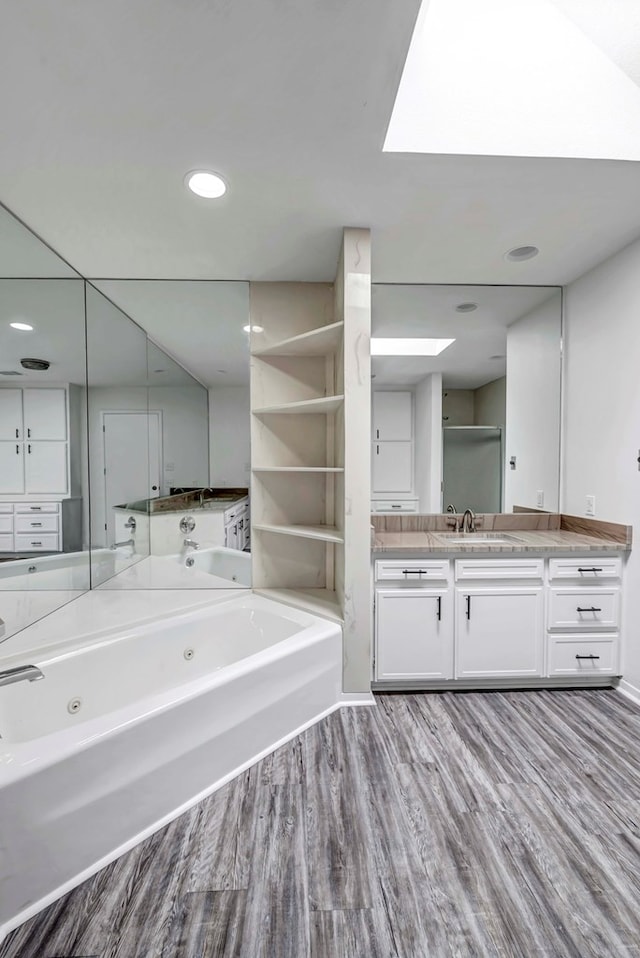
<point x="428" y="442"/>
<point x="533" y="407"/>
<point x="602" y="412"/>
<point x="229" y="436"/>
<point x="490" y="403"/>
<point x="457" y="407"/>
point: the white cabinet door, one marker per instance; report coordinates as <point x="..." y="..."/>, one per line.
<point x="11" y="414"/>
<point x="392" y="467"/>
<point x="45" y="414"/>
<point x="46" y="467"/>
<point x="11" y="467"/>
<point x="499" y="632"/>
<point x="392" y="416"/>
<point x="414" y="634"/>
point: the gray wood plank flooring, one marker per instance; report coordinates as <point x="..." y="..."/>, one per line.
<point x="435" y="825"/>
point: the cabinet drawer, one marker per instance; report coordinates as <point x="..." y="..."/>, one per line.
<point x="411" y="570"/>
<point x="6" y="507"/>
<point x="499" y="568"/>
<point x="394" y="505"/>
<point x="6" y="542"/>
<point x="36" y="542"/>
<point x="45" y="522"/>
<point x="588" y="655"/>
<point x="27" y="507"/>
<point x="587" y="570"/>
<point x="584" y="608"/>
<point x="6" y="523"/>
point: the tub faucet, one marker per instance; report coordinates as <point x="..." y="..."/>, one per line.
<point x="125" y="542"/>
<point x="468" y="521"/>
<point x="24" y="673"/>
<point x="190" y="544"/>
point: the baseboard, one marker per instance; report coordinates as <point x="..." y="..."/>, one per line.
<point x="356" y="698"/>
<point x="629" y="691"/>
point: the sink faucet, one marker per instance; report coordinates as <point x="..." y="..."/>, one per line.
<point x="468" y="521"/>
<point x="453" y="522"/>
<point x="29" y="673"/>
<point x="190" y="544"/>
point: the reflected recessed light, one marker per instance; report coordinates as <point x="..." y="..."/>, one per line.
<point x="206" y="184"/>
<point x="25" y="327"/>
<point x="519" y="253"/>
<point x="222" y="371"/>
<point x="408" y="347"/>
<point x="466" y="307"/>
<point x="159" y="370"/>
<point x="253" y="329"/>
<point x="498" y="356"/>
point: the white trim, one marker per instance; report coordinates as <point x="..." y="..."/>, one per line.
<point x="629" y="691"/>
<point x="349" y="699"/>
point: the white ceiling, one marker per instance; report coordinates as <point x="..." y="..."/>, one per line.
<point x="477" y="356"/>
<point x="112" y="103"/>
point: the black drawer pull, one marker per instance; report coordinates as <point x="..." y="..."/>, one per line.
<point x="468" y="612"/>
<point x="36" y="543"/>
<point x="592" y="609"/>
<point x="439" y="610"/>
<point x="414" y="571"/>
<point x="36" y="525"/>
<point x="587" y="656"/>
<point x="590" y="569"/>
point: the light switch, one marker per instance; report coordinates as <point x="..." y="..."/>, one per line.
<point x="591" y="506"/>
<point x="540" y="499"/>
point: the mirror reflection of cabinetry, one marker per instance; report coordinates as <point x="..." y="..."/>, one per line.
<point x="392" y="452"/>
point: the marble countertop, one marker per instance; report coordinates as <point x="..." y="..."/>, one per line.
<point x="528" y="541"/>
<point x="209" y="505"/>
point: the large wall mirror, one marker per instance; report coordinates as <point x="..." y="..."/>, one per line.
<point x="44" y="558"/>
<point x="170" y="456"/>
<point x="477" y="423"/>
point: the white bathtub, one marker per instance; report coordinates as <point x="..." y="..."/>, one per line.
<point x="61" y="570"/>
<point x="168" y="713"/>
<point x="228" y="564"/>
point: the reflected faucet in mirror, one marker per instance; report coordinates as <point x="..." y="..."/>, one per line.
<point x="125" y="542"/>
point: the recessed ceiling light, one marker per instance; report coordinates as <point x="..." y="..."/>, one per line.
<point x="204" y="183"/>
<point x="222" y="371"/>
<point x="253" y="329"/>
<point x="519" y="253"/>
<point x="25" y="327"/>
<point x="466" y="307"/>
<point x="408" y="347"/>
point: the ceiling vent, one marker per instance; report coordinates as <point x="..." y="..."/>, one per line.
<point x="39" y="364"/>
<point x="9" y="372"/>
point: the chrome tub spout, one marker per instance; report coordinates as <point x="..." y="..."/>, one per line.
<point x="24" y="673"/>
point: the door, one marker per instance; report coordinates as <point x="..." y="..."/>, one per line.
<point x="392" y="416"/>
<point x="46" y="467"/>
<point x="11" y="414"/>
<point x="392" y="467"/>
<point x="414" y="634"/>
<point x="132" y="460"/>
<point x="11" y="467"/>
<point x="499" y="632"/>
<point x="45" y="414"/>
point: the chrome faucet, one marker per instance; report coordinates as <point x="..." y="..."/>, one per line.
<point x="468" y="521"/>
<point x="24" y="673"/>
<point x="125" y="542"/>
<point x="453" y="522"/>
<point x="190" y="544"/>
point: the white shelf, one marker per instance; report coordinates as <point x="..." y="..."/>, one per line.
<point x="317" y="469"/>
<point x="317" y="342"/>
<point x="323" y="533"/>
<point x="322" y="602"/>
<point x="325" y="404"/>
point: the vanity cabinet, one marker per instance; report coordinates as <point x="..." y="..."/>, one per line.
<point x="392" y="416"/>
<point x="392" y="468"/>
<point x="34" y="457"/>
<point x="10" y="414"/>
<point x="496" y="618"/>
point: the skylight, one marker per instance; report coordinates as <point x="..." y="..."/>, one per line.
<point x="408" y="347"/>
<point x="511" y="79"/>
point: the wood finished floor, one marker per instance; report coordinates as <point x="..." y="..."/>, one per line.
<point x="451" y="824"/>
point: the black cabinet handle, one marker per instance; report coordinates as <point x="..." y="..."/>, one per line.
<point x="36" y="525"/>
<point x="590" y="569"/>
<point x="28" y="434"/>
<point x="439" y="608"/>
<point x="414" y="571"/>
<point x="36" y="543"/>
<point x="592" y="609"/>
<point x="17" y="433"/>
<point x="17" y="450"/>
<point x="29" y="448"/>
<point x="468" y="612"/>
<point x="587" y="656"/>
<point x="377" y="450"/>
<point x="377" y="433"/>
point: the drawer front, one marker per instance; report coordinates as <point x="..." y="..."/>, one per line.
<point x="6" y="507"/>
<point x="6" y="523"/>
<point x="411" y="570"/>
<point x="587" y="570"/>
<point x="36" y="542"/>
<point x="499" y="568"/>
<point x="30" y="507"/>
<point x="34" y="522"/>
<point x="584" y="608"/>
<point x="394" y="505"/>
<point x="6" y="542"/>
<point x="583" y="655"/>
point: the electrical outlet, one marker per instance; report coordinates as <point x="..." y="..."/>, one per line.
<point x="591" y="506"/>
<point x="540" y="499"/>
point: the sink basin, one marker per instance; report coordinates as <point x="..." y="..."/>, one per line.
<point x="481" y="538"/>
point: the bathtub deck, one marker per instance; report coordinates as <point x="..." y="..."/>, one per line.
<point x="477" y="824"/>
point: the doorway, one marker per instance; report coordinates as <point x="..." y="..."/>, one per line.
<point x="132" y="460"/>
